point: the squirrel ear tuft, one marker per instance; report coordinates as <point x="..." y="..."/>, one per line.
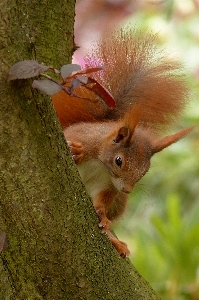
<point x="170" y="139"/>
<point x="133" y="116"/>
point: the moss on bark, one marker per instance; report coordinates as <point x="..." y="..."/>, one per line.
<point x="55" y="249"/>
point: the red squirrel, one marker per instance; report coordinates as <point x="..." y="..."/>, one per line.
<point x="112" y="147"/>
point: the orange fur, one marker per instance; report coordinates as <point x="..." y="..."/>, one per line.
<point x="112" y="147"/>
<point x="136" y="74"/>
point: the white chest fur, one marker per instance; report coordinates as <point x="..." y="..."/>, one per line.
<point x="95" y="176"/>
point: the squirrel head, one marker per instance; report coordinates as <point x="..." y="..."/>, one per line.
<point x="128" y="149"/>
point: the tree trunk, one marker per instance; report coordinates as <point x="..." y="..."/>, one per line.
<point x="55" y="248"/>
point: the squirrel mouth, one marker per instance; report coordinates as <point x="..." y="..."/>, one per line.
<point x="125" y="191"/>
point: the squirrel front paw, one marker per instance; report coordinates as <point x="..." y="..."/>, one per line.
<point x="120" y="246"/>
<point x="77" y="151"/>
<point x="104" y="224"/>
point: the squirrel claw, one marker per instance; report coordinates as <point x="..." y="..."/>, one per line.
<point x="125" y="253"/>
<point x="121" y="248"/>
<point x="76" y="150"/>
<point x="104" y="224"/>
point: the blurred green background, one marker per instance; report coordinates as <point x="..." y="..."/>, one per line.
<point x="161" y="225"/>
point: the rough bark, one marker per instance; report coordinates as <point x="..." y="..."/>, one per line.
<point x="55" y="249"/>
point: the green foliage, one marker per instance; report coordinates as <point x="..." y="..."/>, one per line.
<point x="167" y="253"/>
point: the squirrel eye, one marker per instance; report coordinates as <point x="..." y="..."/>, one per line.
<point x="118" y="161"/>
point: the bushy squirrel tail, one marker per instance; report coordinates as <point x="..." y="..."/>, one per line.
<point x="136" y="74"/>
